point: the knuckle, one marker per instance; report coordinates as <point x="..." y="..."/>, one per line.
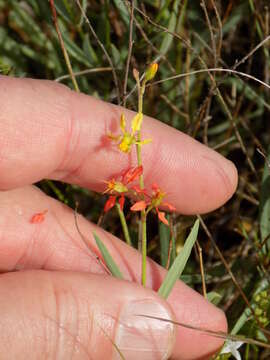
<point x="67" y="326"/>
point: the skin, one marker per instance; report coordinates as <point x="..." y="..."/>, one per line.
<point x="60" y="304"/>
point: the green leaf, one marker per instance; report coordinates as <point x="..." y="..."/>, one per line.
<point x="123" y="11"/>
<point x="179" y="263"/>
<point x="116" y="55"/>
<point x="89" y="51"/>
<point x="194" y="278"/>
<point x="74" y="50"/>
<point x="108" y="259"/>
<point x="265" y="201"/>
<point x="168" y="38"/>
<point x="214" y="297"/>
<point x="63" y="8"/>
<point x="235" y="18"/>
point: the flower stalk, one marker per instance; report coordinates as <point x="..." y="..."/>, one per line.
<point x="150" y="73"/>
<point x="119" y="189"/>
<point x="123" y="224"/>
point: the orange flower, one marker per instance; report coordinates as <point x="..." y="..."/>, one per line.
<point x="116" y="188"/>
<point x="153" y="202"/>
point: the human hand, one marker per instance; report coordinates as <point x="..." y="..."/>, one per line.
<point x="64" y="306"/>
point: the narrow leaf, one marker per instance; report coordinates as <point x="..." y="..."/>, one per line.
<point x="64" y="10"/>
<point x="108" y="259"/>
<point x="168" y="38"/>
<point x="265" y="201"/>
<point x="179" y="263"/>
<point x="120" y="5"/>
<point x="74" y="50"/>
<point x="89" y="51"/>
<point x="214" y="297"/>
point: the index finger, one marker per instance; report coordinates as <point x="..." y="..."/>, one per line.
<point x="48" y="131"/>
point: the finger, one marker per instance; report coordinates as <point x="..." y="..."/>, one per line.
<point x="56" y="245"/>
<point x="54" y="315"/>
<point x="49" y="131"/>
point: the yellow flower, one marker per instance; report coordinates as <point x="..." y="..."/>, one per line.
<point x="126" y="142"/>
<point x="127" y="139"/>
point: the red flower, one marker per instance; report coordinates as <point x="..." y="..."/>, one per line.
<point x="153" y="202"/>
<point x="116" y="188"/>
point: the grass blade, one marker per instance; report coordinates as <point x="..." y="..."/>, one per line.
<point x="265" y="202"/>
<point x="168" y="38"/>
<point x="108" y="259"/>
<point x="123" y="11"/>
<point x="214" y="297"/>
<point x="179" y="263"/>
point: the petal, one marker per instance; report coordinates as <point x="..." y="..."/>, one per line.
<point x="138" y="190"/>
<point x="125" y="174"/>
<point x="161" y="216"/>
<point x="145" y="141"/>
<point x="123" y="123"/>
<point x="109" y="203"/>
<point x="169" y="206"/>
<point x="133" y="174"/>
<point x="38" y="218"/>
<point x="137" y="122"/>
<point x="122" y="202"/>
<point x="138" y="206"/>
<point x="151" y="71"/>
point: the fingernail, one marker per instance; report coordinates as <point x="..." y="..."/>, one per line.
<point x="140" y="337"/>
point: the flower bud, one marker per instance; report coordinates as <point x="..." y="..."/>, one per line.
<point x="151" y="71"/>
<point x="136" y="74"/>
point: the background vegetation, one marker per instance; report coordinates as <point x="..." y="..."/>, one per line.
<point x="229" y="113"/>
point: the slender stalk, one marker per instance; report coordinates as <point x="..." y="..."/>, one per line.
<point x="143" y="235"/>
<point x="201" y="269"/>
<point x="61" y="41"/>
<point x="144" y="247"/>
<point x="124" y="224"/>
<point x="115" y="79"/>
<point x="141" y="90"/>
<point x="130" y="45"/>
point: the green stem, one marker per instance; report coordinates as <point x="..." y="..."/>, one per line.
<point x="124" y="224"/>
<point x="144" y="247"/>
<point x="143" y="235"/>
<point x="141" y="90"/>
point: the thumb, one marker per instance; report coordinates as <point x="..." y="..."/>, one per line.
<point x="64" y="315"/>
